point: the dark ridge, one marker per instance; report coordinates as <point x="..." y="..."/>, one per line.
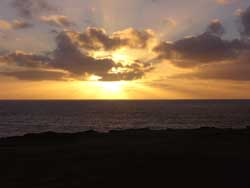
<point x="205" y="157"/>
<point x="143" y="131"/>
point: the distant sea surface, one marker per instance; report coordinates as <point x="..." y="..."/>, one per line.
<point x="22" y="117"/>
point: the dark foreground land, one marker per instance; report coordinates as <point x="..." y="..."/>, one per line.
<point x="134" y="158"/>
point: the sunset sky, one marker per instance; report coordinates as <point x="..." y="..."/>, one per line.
<point x="116" y="49"/>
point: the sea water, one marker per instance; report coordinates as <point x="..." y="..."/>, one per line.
<point x="22" y="117"/>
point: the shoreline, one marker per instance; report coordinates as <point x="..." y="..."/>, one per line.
<point x="121" y="131"/>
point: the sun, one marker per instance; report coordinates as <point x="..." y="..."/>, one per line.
<point x="112" y="90"/>
<point x="113" y="87"/>
<point x="105" y="90"/>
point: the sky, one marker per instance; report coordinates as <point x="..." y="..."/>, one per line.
<point x="133" y="49"/>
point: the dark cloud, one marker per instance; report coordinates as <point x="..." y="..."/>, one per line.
<point x="97" y="39"/>
<point x="233" y="70"/>
<point x="135" y="71"/>
<point x="206" y="48"/>
<point x="35" y="75"/>
<point x="3" y="52"/>
<point x="68" y="61"/>
<point x="29" y="8"/>
<point x="128" y="76"/>
<point x="212" y="56"/>
<point x="215" y="28"/>
<point x="245" y="19"/>
<point x="198" y="50"/>
<point x="26" y="60"/>
<point x="68" y="57"/>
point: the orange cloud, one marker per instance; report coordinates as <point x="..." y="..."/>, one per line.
<point x="4" y="25"/>
<point x="16" y="24"/>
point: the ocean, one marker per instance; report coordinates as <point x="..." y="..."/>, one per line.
<point x="22" y="117"/>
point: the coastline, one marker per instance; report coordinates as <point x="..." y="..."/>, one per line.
<point x="205" y="157"/>
<point x="135" y="131"/>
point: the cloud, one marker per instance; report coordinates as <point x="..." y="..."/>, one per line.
<point x="237" y="70"/>
<point x="57" y="20"/>
<point x="29" y="8"/>
<point x="123" y="76"/>
<point x="15" y="25"/>
<point x="5" y="25"/>
<point x="3" y="52"/>
<point x="198" y="50"/>
<point x="70" y="61"/>
<point x="209" y="55"/>
<point x="135" y="71"/>
<point x="35" y="75"/>
<point x="67" y="56"/>
<point x="245" y="20"/>
<point x="98" y="39"/>
<point x="18" y="24"/>
<point x="215" y="28"/>
<point x="27" y="60"/>
<point x="238" y="12"/>
<point x="205" y="48"/>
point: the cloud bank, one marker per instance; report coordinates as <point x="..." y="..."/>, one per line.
<point x="209" y="55"/>
<point x="71" y="58"/>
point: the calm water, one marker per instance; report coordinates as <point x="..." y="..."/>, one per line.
<point x="20" y="117"/>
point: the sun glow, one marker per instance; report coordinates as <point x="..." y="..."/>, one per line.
<point x="112" y="90"/>
<point x="112" y="87"/>
<point x="122" y="56"/>
<point x="106" y="90"/>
